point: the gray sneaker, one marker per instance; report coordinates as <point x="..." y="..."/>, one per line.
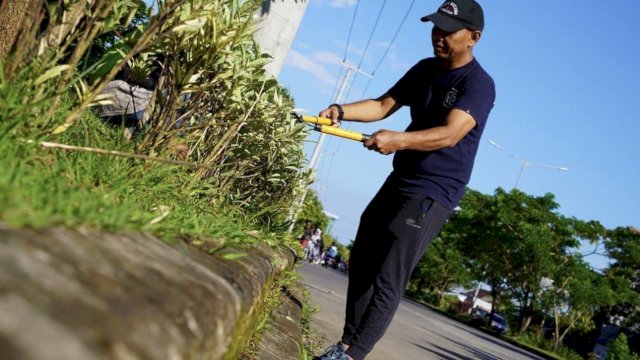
<point x="334" y="352"/>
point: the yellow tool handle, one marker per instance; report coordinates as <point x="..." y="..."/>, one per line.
<point x="316" y="120"/>
<point x="347" y="134"/>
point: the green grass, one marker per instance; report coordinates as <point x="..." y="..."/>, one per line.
<point x="543" y="346"/>
<point x="46" y="187"/>
<point x="312" y="340"/>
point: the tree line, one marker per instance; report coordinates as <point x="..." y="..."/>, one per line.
<point x="529" y="254"/>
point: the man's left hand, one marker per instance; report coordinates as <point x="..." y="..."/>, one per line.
<point x="384" y="141"/>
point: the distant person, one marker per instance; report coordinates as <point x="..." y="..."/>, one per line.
<point x="317" y="235"/>
<point x="128" y="103"/>
<point x="304" y="242"/>
<point x="129" y="99"/>
<point x="319" y="250"/>
<point x="330" y="256"/>
<point x="336" y="261"/>
<point x="333" y="251"/>
<point x="308" y="248"/>
<point x="317" y="241"/>
<point x="450" y="96"/>
<point x="308" y="230"/>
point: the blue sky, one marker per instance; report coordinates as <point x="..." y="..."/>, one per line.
<point x="568" y="82"/>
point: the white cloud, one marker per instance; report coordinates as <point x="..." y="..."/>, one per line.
<point x="342" y="3"/>
<point x="396" y="63"/>
<point x="312" y="66"/>
<point x="303" y="45"/>
<point x="382" y="44"/>
<point x="327" y="57"/>
<point x="353" y="53"/>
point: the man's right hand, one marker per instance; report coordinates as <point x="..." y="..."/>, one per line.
<point x="332" y="113"/>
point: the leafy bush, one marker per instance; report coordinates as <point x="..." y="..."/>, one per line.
<point x="547" y="345"/>
<point x="214" y="96"/>
<point x="619" y="349"/>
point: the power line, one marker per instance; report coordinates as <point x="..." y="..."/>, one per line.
<point x="393" y="40"/>
<point x="335" y="87"/>
<point x="375" y="25"/>
<point x="366" y="48"/>
<point x="346" y="50"/>
<point x="353" y="20"/>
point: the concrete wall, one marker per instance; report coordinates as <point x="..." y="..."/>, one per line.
<point x="82" y="294"/>
<point x="278" y="22"/>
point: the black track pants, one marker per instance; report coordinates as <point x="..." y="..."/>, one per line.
<point x="395" y="230"/>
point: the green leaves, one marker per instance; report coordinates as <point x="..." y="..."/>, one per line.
<point x="52" y="73"/>
<point x="513" y="241"/>
<point x="619" y="349"/>
<point x="190" y="26"/>
<point x="238" y="118"/>
<point x="216" y="99"/>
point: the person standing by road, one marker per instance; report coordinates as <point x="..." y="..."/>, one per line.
<point x="317" y="240"/>
<point x="450" y="96"/>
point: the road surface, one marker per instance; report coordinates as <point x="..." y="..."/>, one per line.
<point x="415" y="333"/>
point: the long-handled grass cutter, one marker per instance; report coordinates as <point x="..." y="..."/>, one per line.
<point x="323" y="125"/>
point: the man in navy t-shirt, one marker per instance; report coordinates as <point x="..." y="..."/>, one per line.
<point x="450" y="97"/>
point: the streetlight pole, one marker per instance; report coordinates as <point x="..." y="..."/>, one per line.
<point x="526" y="163"/>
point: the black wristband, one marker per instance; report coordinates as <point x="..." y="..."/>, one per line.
<point x="340" y="111"/>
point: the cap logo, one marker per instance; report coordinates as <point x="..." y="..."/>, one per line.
<point x="450" y="8"/>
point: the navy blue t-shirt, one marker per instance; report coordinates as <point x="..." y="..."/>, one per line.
<point x="432" y="92"/>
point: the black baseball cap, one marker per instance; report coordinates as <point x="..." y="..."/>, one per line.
<point x="454" y="15"/>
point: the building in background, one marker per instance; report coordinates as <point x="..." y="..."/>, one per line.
<point x="278" y="22"/>
<point x="332" y="220"/>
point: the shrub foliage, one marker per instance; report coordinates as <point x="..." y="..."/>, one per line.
<point x="213" y="97"/>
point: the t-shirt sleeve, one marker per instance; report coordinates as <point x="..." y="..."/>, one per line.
<point x="404" y="91"/>
<point x="477" y="98"/>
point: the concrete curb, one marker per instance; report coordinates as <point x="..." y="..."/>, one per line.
<point x="283" y="337"/>
<point x="83" y="294"/>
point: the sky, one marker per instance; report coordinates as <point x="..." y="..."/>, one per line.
<point x="567" y="77"/>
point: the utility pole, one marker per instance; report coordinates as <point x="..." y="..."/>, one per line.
<point x="277" y="24"/>
<point x="315" y="156"/>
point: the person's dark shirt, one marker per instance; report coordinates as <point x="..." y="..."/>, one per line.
<point x="432" y="92"/>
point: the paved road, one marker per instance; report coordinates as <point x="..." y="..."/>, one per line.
<point x="415" y="333"/>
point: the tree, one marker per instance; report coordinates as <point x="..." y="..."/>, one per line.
<point x="619" y="349"/>
<point x="313" y="211"/>
<point x="623" y="247"/>
<point x="576" y="295"/>
<point x="440" y="269"/>
<point x="513" y="241"/>
<point x="476" y="233"/>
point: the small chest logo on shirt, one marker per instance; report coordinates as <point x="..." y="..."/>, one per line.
<point x="450" y="98"/>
